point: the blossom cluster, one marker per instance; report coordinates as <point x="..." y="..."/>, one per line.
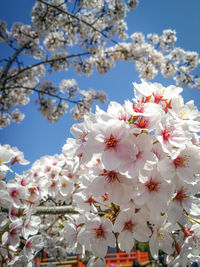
<point x="130" y="174"/>
<point x="79" y="35"/>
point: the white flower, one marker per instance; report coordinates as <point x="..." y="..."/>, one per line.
<point x="97" y="235"/>
<point x="12" y="237"/>
<point x="54" y="40"/>
<point x="184" y="201"/>
<point x="31" y="226"/>
<point x="184" y="164"/>
<point x="117" y="111"/>
<point x="17" y="193"/>
<point x="171" y="135"/>
<point x="140" y="156"/>
<point x="114" y="184"/>
<point x="33" y="245"/>
<point x="76" y="147"/>
<point x="156" y="91"/>
<point x="19" y="157"/>
<point x="66" y="186"/>
<point x="161" y="239"/>
<point x="131" y="226"/>
<point x="6" y="154"/>
<point x="154" y="192"/>
<point x="71" y="230"/>
<point x="111" y="139"/>
<point x="84" y="201"/>
<point x="5" y="199"/>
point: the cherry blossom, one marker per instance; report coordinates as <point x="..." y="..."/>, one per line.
<point x="140" y="155"/>
<point x="5" y="156"/>
<point x="32" y="246"/>
<point x="111" y="139"/>
<point x="97" y="235"/>
<point x="154" y="192"/>
<point x="171" y="135"/>
<point x="130" y="226"/>
<point x="184" y="164"/>
<point x="13" y="236"/>
<point x="161" y="239"/>
<point x="114" y="183"/>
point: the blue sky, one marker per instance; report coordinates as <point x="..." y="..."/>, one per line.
<point x="35" y="136"/>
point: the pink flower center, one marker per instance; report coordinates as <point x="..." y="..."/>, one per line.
<point x="47" y="169"/>
<point x="111" y="176"/>
<point x="146" y="99"/>
<point x="14" y="232"/>
<point x="70" y="175"/>
<point x="53" y="175"/>
<point x="15" y="160"/>
<point x="180" y="161"/>
<point x="53" y="184"/>
<point x="28" y="244"/>
<point x="138" y="109"/>
<point x="4" y="260"/>
<point x="152" y="185"/>
<point x="23" y="182"/>
<point x="139" y="155"/>
<point x="14" y="193"/>
<point x="188" y="232"/>
<point x="142" y="123"/>
<point x="166" y="134"/>
<point x="100" y="232"/>
<point x="111" y="142"/>
<point x="157" y="98"/>
<point x="105" y="197"/>
<point x="14" y="212"/>
<point x="128" y="226"/>
<point x="180" y="195"/>
<point x="90" y="200"/>
<point x="168" y="105"/>
<point x="32" y="190"/>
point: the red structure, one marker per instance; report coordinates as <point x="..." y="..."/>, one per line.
<point x="120" y="259"/>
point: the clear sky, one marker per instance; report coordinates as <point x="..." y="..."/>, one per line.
<point x="35" y="136"/>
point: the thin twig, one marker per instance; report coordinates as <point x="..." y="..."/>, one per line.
<point x="45" y="62"/>
<point x="45" y="93"/>
<point x="11" y="60"/>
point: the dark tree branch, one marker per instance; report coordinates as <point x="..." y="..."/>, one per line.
<point x="45" y="93"/>
<point x="46" y="62"/>
<point x="11" y="60"/>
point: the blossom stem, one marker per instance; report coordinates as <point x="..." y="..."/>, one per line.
<point x="190" y="218"/>
<point x="96" y="202"/>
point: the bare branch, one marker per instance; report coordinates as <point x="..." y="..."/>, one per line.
<point x="56" y="210"/>
<point x="45" y="93"/>
<point x="12" y="59"/>
<point x="46" y="62"/>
